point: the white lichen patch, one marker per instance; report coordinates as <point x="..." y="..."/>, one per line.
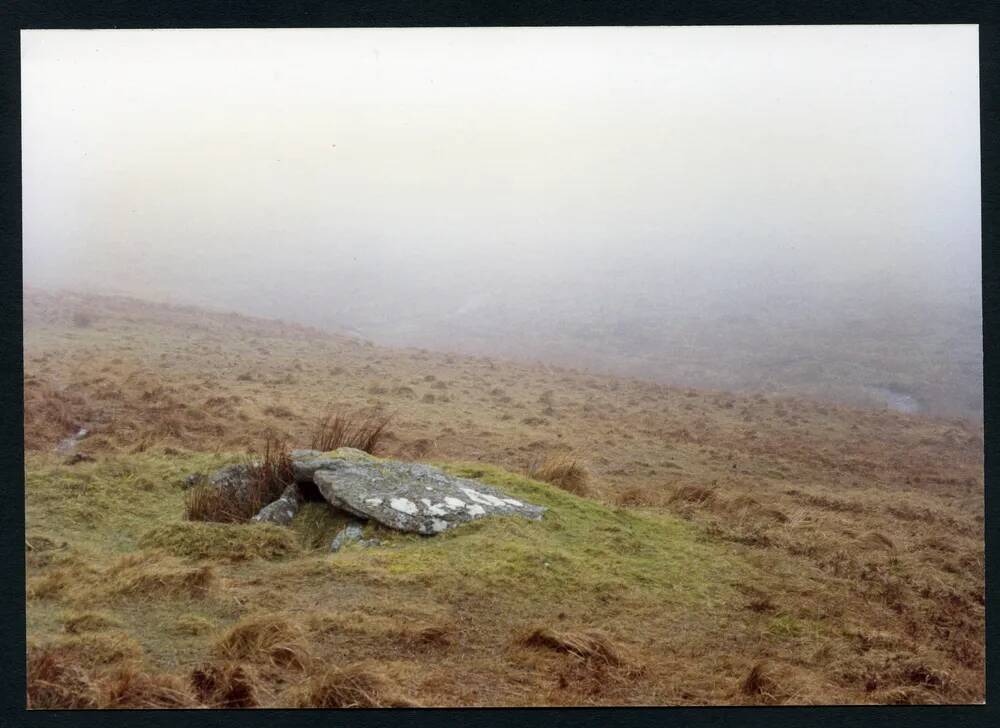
<point x="484" y="498"/>
<point x="437" y="525"/>
<point x="476" y="510"/>
<point x="514" y="502"/>
<point x="454" y="502"/>
<point x="373" y="501"/>
<point x="403" y="505"/>
<point x="437" y="509"/>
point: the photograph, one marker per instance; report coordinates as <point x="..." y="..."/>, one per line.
<point x="475" y="367"/>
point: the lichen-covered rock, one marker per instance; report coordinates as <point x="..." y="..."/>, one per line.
<point x="307" y="462"/>
<point x="195" y="479"/>
<point x="411" y="496"/>
<point x="282" y="511"/>
<point x="404" y="496"/>
<point x="232" y="479"/>
<point x="350" y="532"/>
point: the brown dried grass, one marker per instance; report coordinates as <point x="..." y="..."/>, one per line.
<point x="226" y="685"/>
<point x="158" y="581"/>
<point x="267" y="477"/>
<point x="360" y="432"/>
<point x="270" y="639"/>
<point x="71" y="675"/>
<point x="426" y="635"/>
<point x="55" y="683"/>
<point x="129" y="686"/>
<point x="586" y="645"/>
<point x="88" y="622"/>
<point x="694" y="494"/>
<point x="355" y="686"/>
<point x="563" y="472"/>
<point x="760" y="685"/>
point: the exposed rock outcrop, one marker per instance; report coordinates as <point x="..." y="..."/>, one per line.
<point x="411" y="496"/>
<point x="233" y="480"/>
<point x="403" y="496"/>
<point x="282" y="511"/>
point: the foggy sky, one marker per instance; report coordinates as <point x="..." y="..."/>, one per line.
<point x="305" y="174"/>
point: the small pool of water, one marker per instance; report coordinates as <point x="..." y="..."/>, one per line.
<point x="896" y="400"/>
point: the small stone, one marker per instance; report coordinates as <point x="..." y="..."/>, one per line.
<point x="282" y="511"/>
<point x="350" y="532"/>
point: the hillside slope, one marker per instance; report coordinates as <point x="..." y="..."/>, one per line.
<point x="838" y="550"/>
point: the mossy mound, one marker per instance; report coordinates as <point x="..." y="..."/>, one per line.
<point x="222" y="541"/>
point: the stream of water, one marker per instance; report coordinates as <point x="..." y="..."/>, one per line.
<point x="899" y="401"/>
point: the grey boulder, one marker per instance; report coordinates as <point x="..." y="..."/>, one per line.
<point x="410" y="496"/>
<point x="351" y="533"/>
<point x="306" y="462"/>
<point x="232" y="478"/>
<point x="403" y="496"/>
<point x="282" y="511"/>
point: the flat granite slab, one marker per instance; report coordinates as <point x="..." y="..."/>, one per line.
<point x="411" y="496"/>
<point x="404" y="496"/>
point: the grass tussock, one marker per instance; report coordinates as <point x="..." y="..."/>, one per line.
<point x="65" y="676"/>
<point x="878" y="540"/>
<point x="356" y="686"/>
<point x="268" y="475"/>
<point x="760" y="685"/>
<point x="88" y="622"/>
<point x="149" y="575"/>
<point x="207" y="503"/>
<point x="563" y="472"/>
<point x="435" y="635"/>
<point x="192" y="624"/>
<point x="359" y="432"/>
<point x="95" y="649"/>
<point x="129" y="686"/>
<point x="226" y="685"/>
<point x="222" y="541"/>
<point x="52" y="585"/>
<point x="694" y="494"/>
<point x="56" y="683"/>
<point x="589" y="645"/>
<point x="52" y="413"/>
<point x="270" y="639"/>
<point x="263" y="480"/>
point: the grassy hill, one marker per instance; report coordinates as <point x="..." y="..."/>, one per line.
<point x="725" y="548"/>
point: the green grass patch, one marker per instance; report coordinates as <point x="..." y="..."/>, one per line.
<point x="110" y="503"/>
<point x="786" y="627"/>
<point x="222" y="541"/>
<point x="580" y="547"/>
<point x="138" y="552"/>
